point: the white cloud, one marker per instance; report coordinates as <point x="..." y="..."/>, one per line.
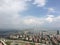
<point x="14" y="5"/>
<point x="53" y="21"/>
<point x="33" y="21"/>
<point x="28" y="0"/>
<point x="9" y="9"/>
<point x="40" y="3"/>
<point x="50" y="18"/>
<point x="51" y="9"/>
<point x="9" y="17"/>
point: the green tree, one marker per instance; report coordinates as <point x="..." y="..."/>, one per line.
<point x="8" y="42"/>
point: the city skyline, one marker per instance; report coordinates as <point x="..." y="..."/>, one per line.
<point x="28" y="14"/>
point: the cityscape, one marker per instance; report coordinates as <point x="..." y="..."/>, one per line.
<point x="30" y="38"/>
<point x="29" y="22"/>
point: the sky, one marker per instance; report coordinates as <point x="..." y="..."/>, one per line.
<point x="27" y="14"/>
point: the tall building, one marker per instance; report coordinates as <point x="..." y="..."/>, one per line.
<point x="57" y="32"/>
<point x="42" y="35"/>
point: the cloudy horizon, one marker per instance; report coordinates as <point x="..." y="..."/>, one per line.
<point x="24" y="14"/>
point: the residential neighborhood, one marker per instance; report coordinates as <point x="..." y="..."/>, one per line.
<point x="28" y="38"/>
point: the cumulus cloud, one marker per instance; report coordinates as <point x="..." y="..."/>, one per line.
<point x="51" y="9"/>
<point x="52" y="21"/>
<point x="49" y="20"/>
<point x="10" y="17"/>
<point x="13" y="5"/>
<point x="40" y="3"/>
<point x="33" y="21"/>
<point x="9" y="9"/>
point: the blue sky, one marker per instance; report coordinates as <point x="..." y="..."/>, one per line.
<point x="19" y="14"/>
<point x="34" y="10"/>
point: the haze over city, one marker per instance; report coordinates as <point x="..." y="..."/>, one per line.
<point x="28" y="14"/>
<point x="29" y="22"/>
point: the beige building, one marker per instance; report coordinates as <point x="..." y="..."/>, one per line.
<point x="2" y="43"/>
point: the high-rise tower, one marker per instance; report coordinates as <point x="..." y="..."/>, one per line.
<point x="57" y="32"/>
